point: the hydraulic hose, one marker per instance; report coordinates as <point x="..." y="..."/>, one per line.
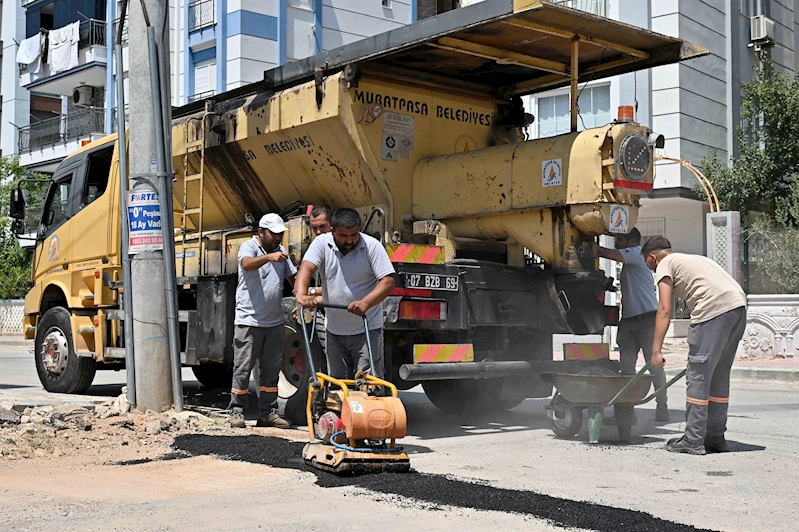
<point x="360" y="449"/>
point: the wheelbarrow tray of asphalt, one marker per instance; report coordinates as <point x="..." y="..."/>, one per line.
<point x="352" y="429"/>
<point x="596" y="392"/>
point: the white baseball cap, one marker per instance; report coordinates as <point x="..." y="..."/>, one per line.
<point x="273" y="222"/>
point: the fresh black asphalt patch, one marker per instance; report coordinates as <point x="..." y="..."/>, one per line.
<point x="434" y="489"/>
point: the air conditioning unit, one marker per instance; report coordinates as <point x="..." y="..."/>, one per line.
<point x="762" y="31"/>
<point x="82" y="95"/>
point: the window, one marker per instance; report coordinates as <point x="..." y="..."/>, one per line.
<point x="752" y="8"/>
<point x="301" y="4"/>
<point x="205" y="76"/>
<point x="553" y="111"/>
<point x="56" y="210"/>
<point x="387" y="4"/>
<point x="97" y="175"/>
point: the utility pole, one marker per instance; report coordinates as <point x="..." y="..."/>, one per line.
<point x="150" y="327"/>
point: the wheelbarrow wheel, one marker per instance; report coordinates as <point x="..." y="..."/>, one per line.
<point x="565" y="420"/>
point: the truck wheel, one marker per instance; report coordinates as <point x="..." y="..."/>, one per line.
<point x="59" y="369"/>
<point x="565" y="420"/>
<point x="213" y="376"/>
<point x="295" y="371"/>
<point x="468" y="395"/>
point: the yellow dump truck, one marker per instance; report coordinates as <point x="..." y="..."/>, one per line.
<point x="422" y="130"/>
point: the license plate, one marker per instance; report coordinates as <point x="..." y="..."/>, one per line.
<point x="433" y="282"/>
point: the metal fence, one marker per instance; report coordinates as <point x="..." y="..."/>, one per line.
<point x="114" y="118"/>
<point x="11" y="314"/>
<point x="61" y="129"/>
<point x="202" y="13"/>
<point x="761" y="247"/>
<point x="596" y="7"/>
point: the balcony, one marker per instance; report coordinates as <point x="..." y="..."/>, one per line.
<point x="595" y="7"/>
<point x="202" y="13"/>
<point x="92" y="57"/>
<point x="200" y="96"/>
<point x="46" y="142"/>
<point x="124" y="30"/>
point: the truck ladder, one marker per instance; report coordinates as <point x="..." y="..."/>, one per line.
<point x="193" y="203"/>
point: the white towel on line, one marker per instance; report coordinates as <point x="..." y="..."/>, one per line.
<point x="62" y="53"/>
<point x="30" y="52"/>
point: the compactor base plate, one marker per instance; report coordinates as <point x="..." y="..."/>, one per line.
<point x="340" y="462"/>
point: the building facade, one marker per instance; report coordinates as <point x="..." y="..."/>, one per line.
<point x="58" y="78"/>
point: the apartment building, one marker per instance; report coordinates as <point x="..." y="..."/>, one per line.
<point x="58" y="77"/>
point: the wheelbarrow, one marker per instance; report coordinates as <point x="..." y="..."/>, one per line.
<point x="596" y="392"/>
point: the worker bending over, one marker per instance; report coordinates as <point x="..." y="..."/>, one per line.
<point x="639" y="306"/>
<point x="259" y="334"/>
<point x="718" y="319"/>
<point x="357" y="272"/>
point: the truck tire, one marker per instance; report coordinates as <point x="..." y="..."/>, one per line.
<point x="468" y="396"/>
<point x="213" y="376"/>
<point x="295" y="372"/>
<point x="60" y="369"/>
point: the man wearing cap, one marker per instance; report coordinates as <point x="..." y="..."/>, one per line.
<point x="259" y="334"/>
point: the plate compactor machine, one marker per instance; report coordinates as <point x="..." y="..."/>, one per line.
<point x="352" y="426"/>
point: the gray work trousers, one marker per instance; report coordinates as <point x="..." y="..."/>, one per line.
<point x="636" y="335"/>
<point x="347" y="355"/>
<point x="711" y="351"/>
<point x="264" y="344"/>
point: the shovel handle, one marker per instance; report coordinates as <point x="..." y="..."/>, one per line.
<point x="631" y="382"/>
<point x="672" y="381"/>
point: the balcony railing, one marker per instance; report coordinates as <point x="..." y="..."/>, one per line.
<point x="62" y="129"/>
<point x="200" y="96"/>
<point x="114" y="128"/>
<point x="124" y="30"/>
<point x="595" y="7"/>
<point x="202" y="13"/>
<point x="92" y="33"/>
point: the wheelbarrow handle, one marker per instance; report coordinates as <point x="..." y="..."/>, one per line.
<point x="630" y="383"/>
<point x="672" y="381"/>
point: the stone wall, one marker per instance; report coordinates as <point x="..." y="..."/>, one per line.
<point x="772" y="324"/>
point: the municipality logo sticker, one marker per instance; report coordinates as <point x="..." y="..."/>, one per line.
<point x="552" y="173"/>
<point x="619" y="219"/>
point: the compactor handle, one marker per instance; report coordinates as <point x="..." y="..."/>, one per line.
<point x="365" y="329"/>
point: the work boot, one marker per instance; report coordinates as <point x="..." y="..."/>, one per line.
<point x="680" y="445"/>
<point x="662" y="413"/>
<point x="273" y="420"/>
<point x="716" y="444"/>
<point x="236" y="420"/>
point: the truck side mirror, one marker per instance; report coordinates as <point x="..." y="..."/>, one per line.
<point x="17" y="207"/>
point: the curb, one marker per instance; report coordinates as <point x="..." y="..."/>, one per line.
<point x="14" y="340"/>
<point x="756" y="374"/>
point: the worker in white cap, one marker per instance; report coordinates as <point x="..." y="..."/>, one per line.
<point x="259" y="334"/>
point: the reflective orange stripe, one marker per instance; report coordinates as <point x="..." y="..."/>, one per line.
<point x="268" y="389"/>
<point x="719" y="399"/>
<point x="699" y="402"/>
<point x="239" y="392"/>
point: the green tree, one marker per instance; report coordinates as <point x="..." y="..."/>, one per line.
<point x="15" y="273"/>
<point x="762" y="182"/>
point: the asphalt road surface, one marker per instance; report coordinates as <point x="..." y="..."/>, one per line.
<point x="473" y="473"/>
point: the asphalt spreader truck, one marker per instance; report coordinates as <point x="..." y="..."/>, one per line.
<point x="422" y="130"/>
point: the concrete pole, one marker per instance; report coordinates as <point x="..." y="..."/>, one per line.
<point x="151" y="339"/>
